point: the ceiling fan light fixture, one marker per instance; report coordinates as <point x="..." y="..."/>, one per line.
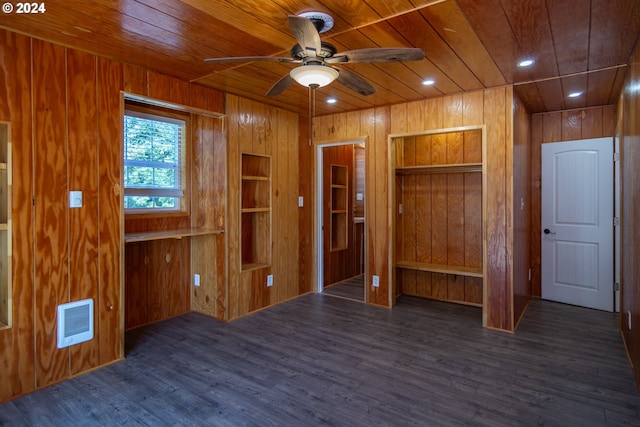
<point x="314" y="75"/>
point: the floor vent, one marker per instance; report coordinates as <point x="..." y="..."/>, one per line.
<point x="75" y="322"/>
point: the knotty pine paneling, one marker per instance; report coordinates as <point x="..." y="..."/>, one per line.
<point x="306" y="189"/>
<point x="17" y="357"/>
<point x="65" y="110"/>
<point x="282" y="126"/>
<point x="261" y="129"/>
<point x="629" y="131"/>
<point x="498" y="296"/>
<point x="378" y="227"/>
<point x="559" y="126"/>
<point x="208" y="211"/>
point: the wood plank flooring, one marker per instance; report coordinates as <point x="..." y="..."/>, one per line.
<point x="319" y="360"/>
<point x="352" y="289"/>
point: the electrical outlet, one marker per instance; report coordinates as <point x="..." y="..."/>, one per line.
<point x="400" y="209"/>
<point x="196" y="280"/>
<point x="269" y="280"/>
<point x="629" y="318"/>
<point x="300" y="201"/>
<point x="376" y="281"/>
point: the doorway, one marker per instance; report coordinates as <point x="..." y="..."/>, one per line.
<point x="577" y="223"/>
<point x="341" y="219"/>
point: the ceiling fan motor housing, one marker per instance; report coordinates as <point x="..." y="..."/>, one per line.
<point x="327" y="50"/>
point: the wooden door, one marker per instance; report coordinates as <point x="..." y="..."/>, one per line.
<point x="577" y="222"/>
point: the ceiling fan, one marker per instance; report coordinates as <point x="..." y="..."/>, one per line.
<point x="315" y="57"/>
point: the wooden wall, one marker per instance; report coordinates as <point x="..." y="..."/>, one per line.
<point x="371" y="125"/>
<point x="521" y="257"/>
<point x="158" y="274"/>
<point x="629" y="131"/>
<point x="558" y="126"/>
<point x="65" y="112"/>
<point x="494" y="108"/>
<point x="306" y="189"/>
<point x="261" y="129"/>
<point x="441" y="219"/>
<point x="208" y="210"/>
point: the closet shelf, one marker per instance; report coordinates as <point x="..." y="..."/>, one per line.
<point x="449" y="168"/>
<point x="440" y="268"/>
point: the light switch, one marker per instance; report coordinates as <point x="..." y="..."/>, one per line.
<point x="300" y="201"/>
<point x="359" y="196"/>
<point x="75" y="199"/>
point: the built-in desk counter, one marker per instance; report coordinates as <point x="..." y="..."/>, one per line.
<point x="146" y="236"/>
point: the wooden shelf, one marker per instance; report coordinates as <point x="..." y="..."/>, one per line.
<point x="253" y="210"/>
<point x="168" y="234"/>
<point x="339" y="207"/>
<point x="440" y="268"/>
<point x="4" y="226"/>
<point x="255" y="178"/>
<point x="254" y="266"/>
<point x="450" y="168"/>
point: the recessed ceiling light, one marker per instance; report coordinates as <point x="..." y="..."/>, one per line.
<point x="331" y="101"/>
<point x="575" y="94"/>
<point x="526" y="63"/>
<point x="428" y="82"/>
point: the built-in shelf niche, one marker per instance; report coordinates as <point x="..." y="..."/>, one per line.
<point x="339" y="207"/>
<point x="438" y="225"/>
<point x="255" y="209"/>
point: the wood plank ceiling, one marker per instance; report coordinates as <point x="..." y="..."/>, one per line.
<point x="577" y="45"/>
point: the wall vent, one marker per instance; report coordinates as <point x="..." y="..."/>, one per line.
<point x="75" y="322"/>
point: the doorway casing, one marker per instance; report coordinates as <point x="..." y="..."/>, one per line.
<point x="319" y="218"/>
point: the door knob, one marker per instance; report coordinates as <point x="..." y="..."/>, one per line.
<point x="547" y="231"/>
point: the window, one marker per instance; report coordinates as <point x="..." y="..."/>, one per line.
<point x="154" y="161"/>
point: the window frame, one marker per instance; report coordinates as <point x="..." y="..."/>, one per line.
<point x="168" y="115"/>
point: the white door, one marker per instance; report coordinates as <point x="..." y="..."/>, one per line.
<point x="577" y="223"/>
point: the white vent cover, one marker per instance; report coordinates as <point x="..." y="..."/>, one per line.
<point x="75" y="322"/>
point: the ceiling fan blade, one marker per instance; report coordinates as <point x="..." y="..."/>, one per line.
<point x="249" y="59"/>
<point x="306" y="34"/>
<point x="280" y="85"/>
<point x="379" y="54"/>
<point x="355" y="82"/>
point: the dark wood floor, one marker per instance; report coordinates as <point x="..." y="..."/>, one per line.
<point x="352" y="289"/>
<point x="319" y="360"/>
